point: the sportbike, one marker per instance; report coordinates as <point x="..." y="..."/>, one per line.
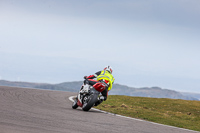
<point x="88" y="95"/>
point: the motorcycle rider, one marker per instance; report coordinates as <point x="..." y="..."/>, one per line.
<point x="105" y="76"/>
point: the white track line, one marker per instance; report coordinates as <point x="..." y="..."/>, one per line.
<point x="71" y="99"/>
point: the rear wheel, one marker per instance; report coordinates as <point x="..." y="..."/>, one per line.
<point x="89" y="101"/>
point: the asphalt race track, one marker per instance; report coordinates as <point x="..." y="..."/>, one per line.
<point x="25" y="110"/>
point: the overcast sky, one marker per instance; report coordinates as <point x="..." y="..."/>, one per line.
<point x="148" y="43"/>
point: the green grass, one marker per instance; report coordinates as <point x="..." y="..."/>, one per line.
<point x="174" y="112"/>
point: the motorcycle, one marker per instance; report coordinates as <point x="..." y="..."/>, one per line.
<point x="88" y="95"/>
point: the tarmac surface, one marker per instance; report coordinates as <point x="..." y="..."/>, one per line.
<point x="25" y="110"/>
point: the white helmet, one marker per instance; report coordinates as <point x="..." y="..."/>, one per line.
<point x="109" y="69"/>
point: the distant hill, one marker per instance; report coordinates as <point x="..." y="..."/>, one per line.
<point x="19" y="84"/>
<point x="118" y="89"/>
<point x="66" y="86"/>
<point x="155" y="92"/>
<point x="196" y="95"/>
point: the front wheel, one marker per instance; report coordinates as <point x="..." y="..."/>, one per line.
<point x="89" y="101"/>
<point x="74" y="104"/>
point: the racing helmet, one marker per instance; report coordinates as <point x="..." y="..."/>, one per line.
<point x="109" y="69"/>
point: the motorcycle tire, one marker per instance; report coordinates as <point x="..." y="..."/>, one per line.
<point x="74" y="104"/>
<point x="90" y="103"/>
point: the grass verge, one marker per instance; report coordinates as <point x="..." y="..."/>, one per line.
<point x="173" y="112"/>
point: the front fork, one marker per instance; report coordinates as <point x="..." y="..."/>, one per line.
<point x="79" y="100"/>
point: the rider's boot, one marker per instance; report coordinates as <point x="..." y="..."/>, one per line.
<point x="100" y="100"/>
